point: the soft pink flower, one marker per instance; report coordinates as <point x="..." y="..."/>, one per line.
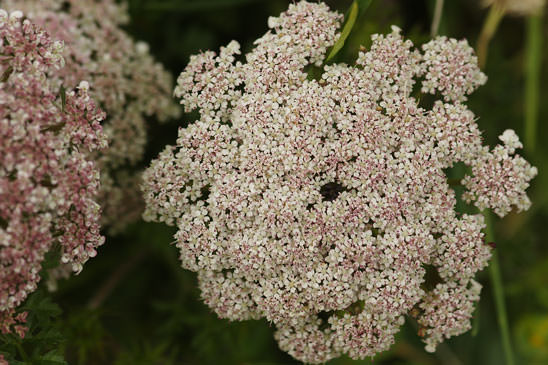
<point x="48" y="184"/>
<point x="124" y="79"/>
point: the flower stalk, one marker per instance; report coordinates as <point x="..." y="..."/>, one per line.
<point x="532" y="79"/>
<point x="496" y="12"/>
<point x="498" y="293"/>
<point x="436" y="20"/>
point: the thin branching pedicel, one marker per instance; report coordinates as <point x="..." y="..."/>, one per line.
<point x="322" y="205"/>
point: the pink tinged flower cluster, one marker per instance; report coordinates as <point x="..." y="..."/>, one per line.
<point x="48" y="184"/>
<point x="126" y="81"/>
<point x="500" y="178"/>
<point x="322" y="205"/>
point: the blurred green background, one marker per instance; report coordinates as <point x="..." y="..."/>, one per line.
<point x="133" y="304"/>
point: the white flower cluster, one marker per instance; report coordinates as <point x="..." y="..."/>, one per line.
<point x="323" y="205"/>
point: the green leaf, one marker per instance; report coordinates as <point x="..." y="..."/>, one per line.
<point x="63" y="94"/>
<point x="350" y="21"/>
<point x="357" y="9"/>
<point x="362" y="6"/>
<point x="53" y="357"/>
<point x="43" y="306"/>
<point x="47" y="336"/>
<point x="6" y="74"/>
<point x="42" y="311"/>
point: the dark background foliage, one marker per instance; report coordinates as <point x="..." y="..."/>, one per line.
<point x="134" y="304"/>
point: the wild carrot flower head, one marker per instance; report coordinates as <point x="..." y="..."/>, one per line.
<point x="125" y="80"/>
<point x="323" y="205"/>
<point x="48" y="185"/>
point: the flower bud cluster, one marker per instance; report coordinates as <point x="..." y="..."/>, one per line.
<point x="48" y="184"/>
<point x="126" y="81"/>
<point x="322" y="204"/>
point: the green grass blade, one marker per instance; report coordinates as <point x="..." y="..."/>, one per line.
<point x="498" y="293"/>
<point x="362" y="6"/>
<point x="532" y="79"/>
<point x="490" y="26"/>
<point x="436" y="19"/>
<point x="350" y="21"/>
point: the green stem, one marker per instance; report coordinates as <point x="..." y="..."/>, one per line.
<point x="476" y="322"/>
<point x="532" y="79"/>
<point x="22" y="352"/>
<point x="348" y="25"/>
<point x="436" y="20"/>
<point x="496" y="12"/>
<point x="498" y="292"/>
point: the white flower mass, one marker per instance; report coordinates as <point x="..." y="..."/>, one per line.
<point x="322" y="204"/>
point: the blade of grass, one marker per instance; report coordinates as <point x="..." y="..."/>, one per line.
<point x="362" y="6"/>
<point x="496" y="12"/>
<point x="498" y="293"/>
<point x="436" y="20"/>
<point x="357" y="9"/>
<point x="22" y="352"/>
<point x="350" y="21"/>
<point x="532" y="79"/>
